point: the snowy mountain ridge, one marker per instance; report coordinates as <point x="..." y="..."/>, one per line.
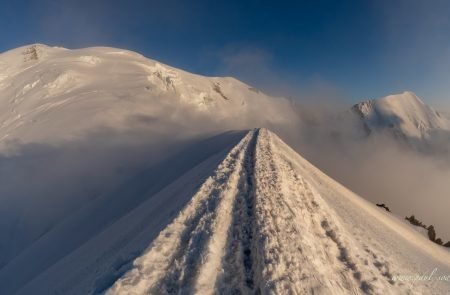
<point x="275" y="228"/>
<point x="265" y="220"/>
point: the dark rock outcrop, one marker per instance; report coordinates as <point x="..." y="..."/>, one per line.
<point x="384" y="206"/>
<point x="430" y="231"/>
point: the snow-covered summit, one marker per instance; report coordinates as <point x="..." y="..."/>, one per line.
<point x="405" y="114"/>
<point x="44" y="91"/>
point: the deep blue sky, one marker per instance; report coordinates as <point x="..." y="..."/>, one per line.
<point x="346" y="49"/>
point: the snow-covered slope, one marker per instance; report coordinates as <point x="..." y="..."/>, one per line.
<point x="91" y="243"/>
<point x="44" y="91"/>
<point x="403" y="114"/>
<point x="265" y="220"/>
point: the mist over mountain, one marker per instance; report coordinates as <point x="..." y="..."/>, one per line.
<point x="392" y="150"/>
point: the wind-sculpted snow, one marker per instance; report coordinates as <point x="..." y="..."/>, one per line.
<point x="260" y="225"/>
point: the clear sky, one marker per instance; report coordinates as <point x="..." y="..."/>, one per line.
<point x="351" y="49"/>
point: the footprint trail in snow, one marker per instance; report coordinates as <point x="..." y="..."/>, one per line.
<point x="259" y="226"/>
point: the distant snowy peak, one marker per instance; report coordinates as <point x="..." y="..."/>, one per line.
<point x="405" y="114"/>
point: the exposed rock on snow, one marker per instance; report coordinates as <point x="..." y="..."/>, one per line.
<point x="384" y="207"/>
<point x="428" y="231"/>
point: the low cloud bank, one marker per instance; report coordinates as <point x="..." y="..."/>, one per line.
<point x="379" y="167"/>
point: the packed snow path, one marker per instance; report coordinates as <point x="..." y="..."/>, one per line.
<point x="258" y="226"/>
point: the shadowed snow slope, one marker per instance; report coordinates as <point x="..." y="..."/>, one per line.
<point x="268" y="221"/>
<point x="89" y="248"/>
